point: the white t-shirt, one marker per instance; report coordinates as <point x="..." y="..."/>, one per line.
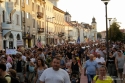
<point x="51" y="76"/>
<point x="8" y="66"/>
<point x="101" y="59"/>
<point x="24" y="58"/>
<point x="33" y="60"/>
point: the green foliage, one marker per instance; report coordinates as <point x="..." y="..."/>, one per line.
<point x="99" y="35"/>
<point x="115" y="33"/>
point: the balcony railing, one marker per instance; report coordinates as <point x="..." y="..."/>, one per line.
<point x="23" y="19"/>
<point x="7" y="25"/>
<point x="39" y="15"/>
<point x="61" y="34"/>
<point x="40" y="30"/>
<point x="27" y="35"/>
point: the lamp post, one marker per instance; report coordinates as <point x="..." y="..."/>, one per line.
<point x="107" y="45"/>
<point x="47" y="39"/>
<point x="110" y="29"/>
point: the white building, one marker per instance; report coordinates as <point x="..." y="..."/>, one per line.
<point x="11" y="23"/>
<point x="90" y="31"/>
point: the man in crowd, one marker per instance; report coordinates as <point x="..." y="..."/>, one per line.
<point x="55" y="74"/>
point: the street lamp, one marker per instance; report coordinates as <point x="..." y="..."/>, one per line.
<point x="47" y="38"/>
<point x="107" y="46"/>
<point x="110" y="29"/>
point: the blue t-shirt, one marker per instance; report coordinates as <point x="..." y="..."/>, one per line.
<point x="91" y="67"/>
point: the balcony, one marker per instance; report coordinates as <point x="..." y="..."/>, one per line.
<point x="23" y="20"/>
<point x="61" y="34"/>
<point x="40" y="30"/>
<point x="39" y="15"/>
<point x="27" y="35"/>
<point x="7" y="26"/>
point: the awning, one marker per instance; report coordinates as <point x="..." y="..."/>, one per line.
<point x="6" y="32"/>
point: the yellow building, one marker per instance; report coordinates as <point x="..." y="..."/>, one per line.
<point x="33" y="16"/>
<point x="49" y="22"/>
<point x="59" y="23"/>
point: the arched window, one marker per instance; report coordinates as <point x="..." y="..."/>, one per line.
<point x="11" y="35"/>
<point x="18" y="37"/>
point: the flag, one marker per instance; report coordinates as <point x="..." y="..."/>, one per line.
<point x="39" y="45"/>
<point x="78" y="40"/>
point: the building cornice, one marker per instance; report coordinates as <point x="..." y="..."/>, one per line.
<point x="59" y="10"/>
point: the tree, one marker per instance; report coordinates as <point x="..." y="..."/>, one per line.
<point x="99" y="35"/>
<point x="116" y="34"/>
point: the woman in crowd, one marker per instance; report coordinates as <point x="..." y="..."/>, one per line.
<point x="102" y="77"/>
<point x="39" y="69"/>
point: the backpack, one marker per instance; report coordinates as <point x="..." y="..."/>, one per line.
<point x="13" y="80"/>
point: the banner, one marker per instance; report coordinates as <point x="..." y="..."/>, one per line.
<point x="11" y="51"/>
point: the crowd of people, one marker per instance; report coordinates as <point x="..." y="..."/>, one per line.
<point x="64" y="64"/>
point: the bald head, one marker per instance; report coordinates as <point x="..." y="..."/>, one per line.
<point x="91" y="56"/>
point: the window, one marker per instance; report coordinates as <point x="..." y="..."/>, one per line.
<point x="17" y="17"/>
<point x="27" y="15"/>
<point x="42" y="24"/>
<point x="33" y="23"/>
<point x="3" y="16"/>
<point x="28" y="29"/>
<point x="27" y="2"/>
<point x="32" y="6"/>
<point x="38" y="8"/>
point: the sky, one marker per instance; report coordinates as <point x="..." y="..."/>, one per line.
<point x="85" y="10"/>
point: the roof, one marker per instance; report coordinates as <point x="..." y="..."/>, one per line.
<point x="67" y="13"/>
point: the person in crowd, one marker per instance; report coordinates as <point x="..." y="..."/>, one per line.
<point x="41" y="54"/>
<point x="90" y="68"/>
<point x="102" y="77"/>
<point x="20" y="67"/>
<point x="111" y="64"/>
<point x="119" y="61"/>
<point x="12" y="74"/>
<point x="55" y="74"/>
<point x="115" y="53"/>
<point x="100" y="60"/>
<point x="4" y="73"/>
<point x="39" y="69"/>
<point x="75" y="67"/>
<point x="8" y="65"/>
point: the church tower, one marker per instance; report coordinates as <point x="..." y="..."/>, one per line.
<point x="54" y="2"/>
<point x="94" y="28"/>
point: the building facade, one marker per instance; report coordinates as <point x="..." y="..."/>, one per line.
<point x="59" y="32"/>
<point x="33" y="23"/>
<point x="10" y="23"/>
<point x="54" y="2"/>
<point x="49" y="19"/>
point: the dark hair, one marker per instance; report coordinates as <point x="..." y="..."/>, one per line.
<point x="3" y="67"/>
<point x="42" y="61"/>
<point x="3" y="80"/>
<point x="12" y="72"/>
<point x="57" y="58"/>
<point x="40" y="49"/>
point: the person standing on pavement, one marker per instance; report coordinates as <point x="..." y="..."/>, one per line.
<point x="119" y="61"/>
<point x="55" y="74"/>
<point x="90" y="68"/>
